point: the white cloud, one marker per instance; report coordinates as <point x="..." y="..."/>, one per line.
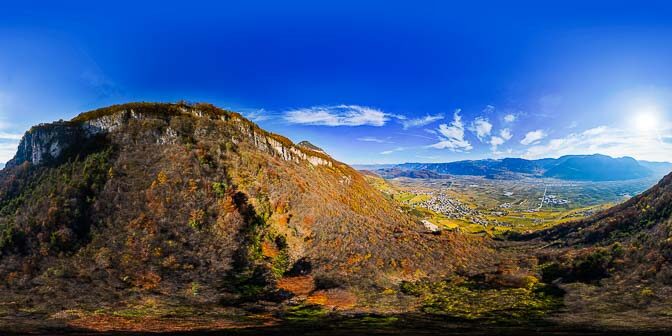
<point x="9" y="143"/>
<point x="606" y="140"/>
<point x="387" y="152"/>
<point x="373" y="139"/>
<point x="418" y="122"/>
<point x="257" y="115"/>
<point x="452" y="136"/>
<point x="506" y="134"/>
<point x="596" y="131"/>
<point x="533" y="137"/>
<point x="509" y="118"/>
<point x="8" y="150"/>
<point x="495" y="141"/>
<point x="340" y="115"/>
<point x="10" y="136"/>
<point x="482" y="127"/>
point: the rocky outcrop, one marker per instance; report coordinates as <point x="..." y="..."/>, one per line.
<point x="310" y="146"/>
<point x="286" y="151"/>
<point x="48" y="141"/>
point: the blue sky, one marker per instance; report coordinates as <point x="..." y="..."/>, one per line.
<point x="369" y="81"/>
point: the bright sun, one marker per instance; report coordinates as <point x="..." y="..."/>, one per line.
<point x="646" y="121"/>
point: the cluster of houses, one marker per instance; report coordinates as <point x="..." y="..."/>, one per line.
<point x="440" y="203"/>
<point x="553" y="200"/>
<point x="454" y="209"/>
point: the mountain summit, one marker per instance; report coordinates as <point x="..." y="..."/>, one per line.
<point x="193" y="204"/>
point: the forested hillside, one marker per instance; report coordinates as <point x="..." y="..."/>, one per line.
<point x="197" y="205"/>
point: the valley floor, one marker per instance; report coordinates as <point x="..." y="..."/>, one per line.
<point x="478" y="205"/>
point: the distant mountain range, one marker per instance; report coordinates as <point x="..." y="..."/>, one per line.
<point x="420" y="173"/>
<point x="595" y="167"/>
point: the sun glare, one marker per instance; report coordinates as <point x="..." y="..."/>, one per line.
<point x="646" y="121"/>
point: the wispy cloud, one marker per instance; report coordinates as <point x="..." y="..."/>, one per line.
<point x="96" y="79"/>
<point x="256" y="115"/>
<point x="9" y="143"/>
<point x="452" y="136"/>
<point x="495" y="141"/>
<point x="394" y="150"/>
<point x="481" y="127"/>
<point x="419" y="122"/>
<point x="338" y="115"/>
<point x="9" y="138"/>
<point x="488" y="109"/>
<point x="498" y="140"/>
<point x="509" y="118"/>
<point x="533" y="137"/>
<point x="421" y="136"/>
<point x="506" y="134"/>
<point x="606" y="140"/>
<point x="373" y="139"/>
<point x="549" y="104"/>
<point x="8" y="150"/>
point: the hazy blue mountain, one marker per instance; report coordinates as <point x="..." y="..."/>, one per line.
<point x="571" y="167"/>
<point x="471" y="167"/>
<point x="661" y="168"/>
<point x="420" y="173"/>
<point x="372" y="166"/>
<point x="597" y="168"/>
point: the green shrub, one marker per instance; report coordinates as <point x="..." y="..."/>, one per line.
<point x="219" y="188"/>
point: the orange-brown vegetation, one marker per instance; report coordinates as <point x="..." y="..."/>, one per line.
<point x="335" y="298"/>
<point x="297" y="285"/>
<point x="186" y="200"/>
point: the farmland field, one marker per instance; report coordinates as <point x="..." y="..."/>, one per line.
<point x="487" y="206"/>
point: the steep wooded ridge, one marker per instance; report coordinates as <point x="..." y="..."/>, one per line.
<point x="617" y="264"/>
<point x="192" y="203"/>
<point x="623" y="222"/>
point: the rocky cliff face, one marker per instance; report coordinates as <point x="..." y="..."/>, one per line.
<point x="46" y="142"/>
<point x="283" y="148"/>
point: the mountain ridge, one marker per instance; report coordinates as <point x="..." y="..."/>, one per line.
<point x="595" y="167"/>
<point x="189" y="204"/>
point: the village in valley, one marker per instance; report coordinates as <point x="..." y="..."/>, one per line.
<point x="486" y="206"/>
